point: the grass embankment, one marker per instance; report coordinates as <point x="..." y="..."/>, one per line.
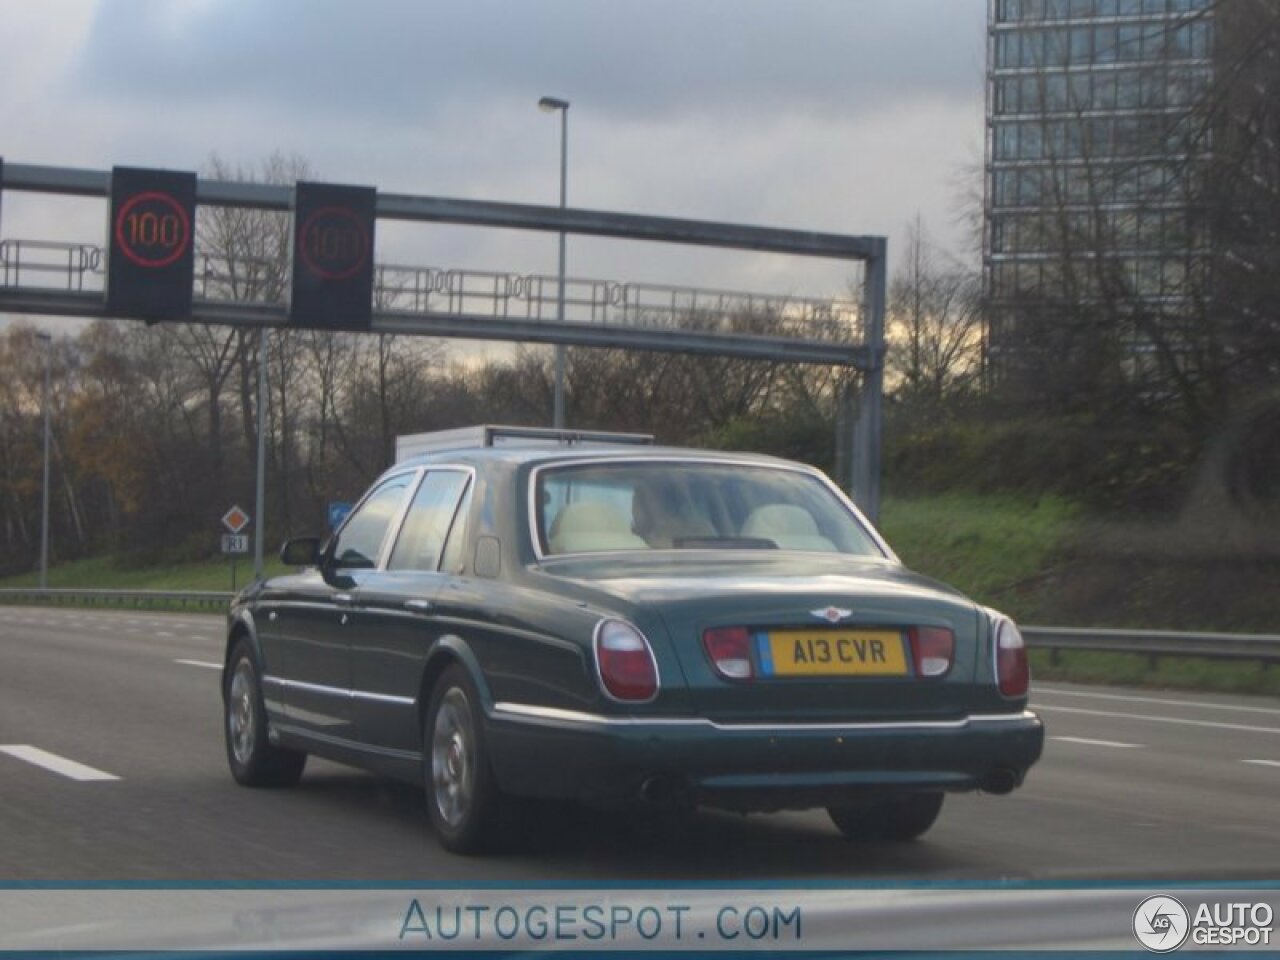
<point x="1046" y="563"/>
<point x="112" y="573"/>
<point x="992" y="548"/>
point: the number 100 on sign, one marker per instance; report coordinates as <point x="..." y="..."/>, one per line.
<point x="150" y="257"/>
<point x="235" y="543"/>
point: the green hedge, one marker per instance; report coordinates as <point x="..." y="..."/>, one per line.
<point x="1142" y="466"/>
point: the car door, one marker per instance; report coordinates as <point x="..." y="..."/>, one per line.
<point x="396" y="622"/>
<point x="311" y="631"/>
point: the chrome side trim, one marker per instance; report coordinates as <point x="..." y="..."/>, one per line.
<point x="1003" y="717"/>
<point x="301" y="734"/>
<point x="408" y="616"/>
<point x="526" y="711"/>
<point x="523" y="711"/>
<point x="270" y="681"/>
<point x="299" y="605"/>
<point x="337" y="691"/>
<point x="383" y="698"/>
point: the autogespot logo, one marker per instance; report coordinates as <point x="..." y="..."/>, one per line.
<point x="1161" y="924"/>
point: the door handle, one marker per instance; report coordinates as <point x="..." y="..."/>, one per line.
<point x="344" y="599"/>
<point x="418" y="606"/>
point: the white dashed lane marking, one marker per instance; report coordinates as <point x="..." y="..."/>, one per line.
<point x="1181" y="721"/>
<point x="208" y="664"/>
<point x="1161" y="701"/>
<point x="1263" y="763"/>
<point x="1098" y="743"/>
<point x="54" y="763"/>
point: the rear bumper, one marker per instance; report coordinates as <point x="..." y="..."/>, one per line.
<point x="557" y="753"/>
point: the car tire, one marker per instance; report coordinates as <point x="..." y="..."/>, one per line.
<point x="896" y="819"/>
<point x="253" y="760"/>
<point x="468" y="812"/>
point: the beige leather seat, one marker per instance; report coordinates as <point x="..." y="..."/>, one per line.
<point x="790" y="527"/>
<point x="662" y="516"/>
<point x="592" y="527"/>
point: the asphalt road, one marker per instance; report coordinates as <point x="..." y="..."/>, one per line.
<point x="112" y="768"/>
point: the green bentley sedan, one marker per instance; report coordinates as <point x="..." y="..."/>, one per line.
<point x="534" y="616"/>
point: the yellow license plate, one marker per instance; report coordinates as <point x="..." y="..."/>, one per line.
<point x="833" y="653"/>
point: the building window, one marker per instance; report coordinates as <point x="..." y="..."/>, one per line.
<point x="1003" y="186"/>
<point x="1129" y="43"/>
<point x="1199" y="39"/>
<point x="1006" y="141"/>
<point x="1155" y="86"/>
<point x="1104" y="44"/>
<point x="1007" y="49"/>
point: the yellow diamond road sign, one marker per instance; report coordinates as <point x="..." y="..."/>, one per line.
<point x="235" y="520"/>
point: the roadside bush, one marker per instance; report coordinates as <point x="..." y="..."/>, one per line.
<point x="807" y="438"/>
<point x="1139" y="465"/>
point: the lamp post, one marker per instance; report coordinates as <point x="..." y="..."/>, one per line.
<point x="552" y="105"/>
<point x="260" y="486"/>
<point x="47" y="340"/>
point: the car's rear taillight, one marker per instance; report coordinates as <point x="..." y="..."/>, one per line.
<point x="932" y="650"/>
<point x="1013" y="673"/>
<point x="730" y="651"/>
<point x="628" y="670"/>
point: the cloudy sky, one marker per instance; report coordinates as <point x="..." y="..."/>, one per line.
<point x="849" y="116"/>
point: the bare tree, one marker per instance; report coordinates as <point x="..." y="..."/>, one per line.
<point x="1240" y="114"/>
<point x="934" y="322"/>
<point x="243" y="256"/>
<point x="1144" y="268"/>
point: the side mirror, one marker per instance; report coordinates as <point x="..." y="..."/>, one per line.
<point x="301" y="552"/>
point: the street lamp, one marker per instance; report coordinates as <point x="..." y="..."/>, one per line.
<point x="260" y="485"/>
<point x="552" y="105"/>
<point x="47" y="340"/>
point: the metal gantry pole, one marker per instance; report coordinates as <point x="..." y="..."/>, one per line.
<point x="47" y="340"/>
<point x="554" y="104"/>
<point x="868" y="427"/>
<point x="561" y="349"/>
<point x="260" y="508"/>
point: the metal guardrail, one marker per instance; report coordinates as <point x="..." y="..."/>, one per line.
<point x="203" y="599"/>
<point x="424" y="289"/>
<point x="1156" y="643"/>
<point x="1152" y="643"/>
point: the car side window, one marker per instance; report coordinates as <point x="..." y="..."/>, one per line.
<point x="422" y="536"/>
<point x="360" y="541"/>
<point x="452" y="561"/>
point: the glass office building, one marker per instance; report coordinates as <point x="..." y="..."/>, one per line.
<point x="1095" y="161"/>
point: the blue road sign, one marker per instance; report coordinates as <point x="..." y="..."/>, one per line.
<point x="338" y="511"/>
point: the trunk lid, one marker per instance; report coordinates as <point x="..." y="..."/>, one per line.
<point x="803" y="613"/>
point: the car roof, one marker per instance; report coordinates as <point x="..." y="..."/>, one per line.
<point x="518" y="455"/>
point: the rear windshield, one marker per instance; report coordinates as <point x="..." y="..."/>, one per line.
<point x="692" y="506"/>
